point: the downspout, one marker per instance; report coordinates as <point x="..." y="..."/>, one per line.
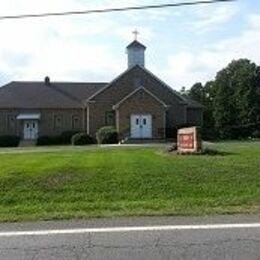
<point x="83" y="118"/>
<point x="88" y="128"/>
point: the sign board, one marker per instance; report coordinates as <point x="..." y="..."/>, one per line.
<point x="189" y="140"/>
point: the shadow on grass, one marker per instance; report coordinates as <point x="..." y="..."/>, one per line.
<point x="206" y="151"/>
<point x="213" y="152"/>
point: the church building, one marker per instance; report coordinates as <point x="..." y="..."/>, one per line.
<point x="137" y="103"/>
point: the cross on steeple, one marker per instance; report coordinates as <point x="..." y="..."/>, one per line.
<point x="135" y="33"/>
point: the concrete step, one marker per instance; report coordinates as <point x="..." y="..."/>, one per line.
<point x="27" y="143"/>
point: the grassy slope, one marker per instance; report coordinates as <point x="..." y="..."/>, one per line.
<point x="121" y="181"/>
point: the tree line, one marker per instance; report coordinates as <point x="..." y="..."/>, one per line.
<point x="231" y="101"/>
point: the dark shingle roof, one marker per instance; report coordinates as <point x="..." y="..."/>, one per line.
<point x="136" y="44"/>
<point x="28" y="94"/>
<point x="192" y="103"/>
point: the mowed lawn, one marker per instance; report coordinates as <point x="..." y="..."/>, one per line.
<point x="79" y="183"/>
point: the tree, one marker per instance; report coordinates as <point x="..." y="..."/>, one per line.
<point x="183" y="90"/>
<point x="196" y="92"/>
<point x="235" y="98"/>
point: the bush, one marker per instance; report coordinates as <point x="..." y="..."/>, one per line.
<point x="9" y="141"/>
<point x="209" y="134"/>
<point x="65" y="137"/>
<point x="107" y="135"/>
<point x="256" y="133"/>
<point x="48" y="140"/>
<point x="82" y="139"/>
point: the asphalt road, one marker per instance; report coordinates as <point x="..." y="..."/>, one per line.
<point x="173" y="238"/>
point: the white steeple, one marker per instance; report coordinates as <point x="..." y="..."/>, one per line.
<point x="135" y="52"/>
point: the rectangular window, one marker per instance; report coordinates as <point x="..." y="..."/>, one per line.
<point x="2" y="123"/>
<point x="110" y="118"/>
<point x="57" y="121"/>
<point x="11" y="122"/>
<point x="75" y="122"/>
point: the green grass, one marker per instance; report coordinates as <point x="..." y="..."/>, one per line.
<point x="78" y="183"/>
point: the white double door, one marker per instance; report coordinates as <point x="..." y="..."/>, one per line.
<point x="30" y="129"/>
<point x="141" y="126"/>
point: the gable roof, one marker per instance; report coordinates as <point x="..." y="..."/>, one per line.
<point x="110" y="83"/>
<point x="31" y="94"/>
<point x="136" y="91"/>
<point x="192" y="103"/>
<point x="146" y="71"/>
<point x="135" y="44"/>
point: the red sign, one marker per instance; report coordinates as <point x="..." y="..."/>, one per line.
<point x="186" y="141"/>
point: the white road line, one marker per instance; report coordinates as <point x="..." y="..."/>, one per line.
<point x="127" y="229"/>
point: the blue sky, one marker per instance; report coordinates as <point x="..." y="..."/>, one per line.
<point x="184" y="45"/>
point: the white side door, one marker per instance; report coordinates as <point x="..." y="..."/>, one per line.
<point x="30" y="130"/>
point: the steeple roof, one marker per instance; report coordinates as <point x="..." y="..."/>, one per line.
<point x="136" y="44"/>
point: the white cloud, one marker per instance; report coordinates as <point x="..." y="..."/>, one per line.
<point x="83" y="47"/>
<point x="187" y="67"/>
<point x="254" y="20"/>
<point x="61" y="47"/>
<point x="209" y="18"/>
<point x="66" y="48"/>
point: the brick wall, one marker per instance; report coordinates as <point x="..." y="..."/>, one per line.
<point x="46" y="123"/>
<point x="124" y="85"/>
<point x="142" y="103"/>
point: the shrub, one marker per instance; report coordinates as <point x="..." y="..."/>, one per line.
<point x="256" y="133"/>
<point x="82" y="139"/>
<point x="9" y="141"/>
<point x="65" y="137"/>
<point x="209" y="134"/>
<point x="48" y="140"/>
<point x="107" y="135"/>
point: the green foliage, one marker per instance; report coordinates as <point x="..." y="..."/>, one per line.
<point x="107" y="135"/>
<point x="62" y="139"/>
<point x="231" y="101"/>
<point x="65" y="137"/>
<point x="48" y="140"/>
<point x="9" y="141"/>
<point x="256" y="133"/>
<point x="236" y="98"/>
<point x="82" y="139"/>
<point x="197" y="92"/>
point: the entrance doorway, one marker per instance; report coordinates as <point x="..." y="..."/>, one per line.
<point x="30" y="129"/>
<point x="141" y="126"/>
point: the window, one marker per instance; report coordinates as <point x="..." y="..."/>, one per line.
<point x="110" y="118"/>
<point x="11" y="122"/>
<point x="57" y="121"/>
<point x="75" y="122"/>
<point x="2" y="119"/>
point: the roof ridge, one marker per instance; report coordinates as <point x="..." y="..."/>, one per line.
<point x="135" y="43"/>
<point x="110" y="83"/>
<point x="57" y="82"/>
<point x="63" y="92"/>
